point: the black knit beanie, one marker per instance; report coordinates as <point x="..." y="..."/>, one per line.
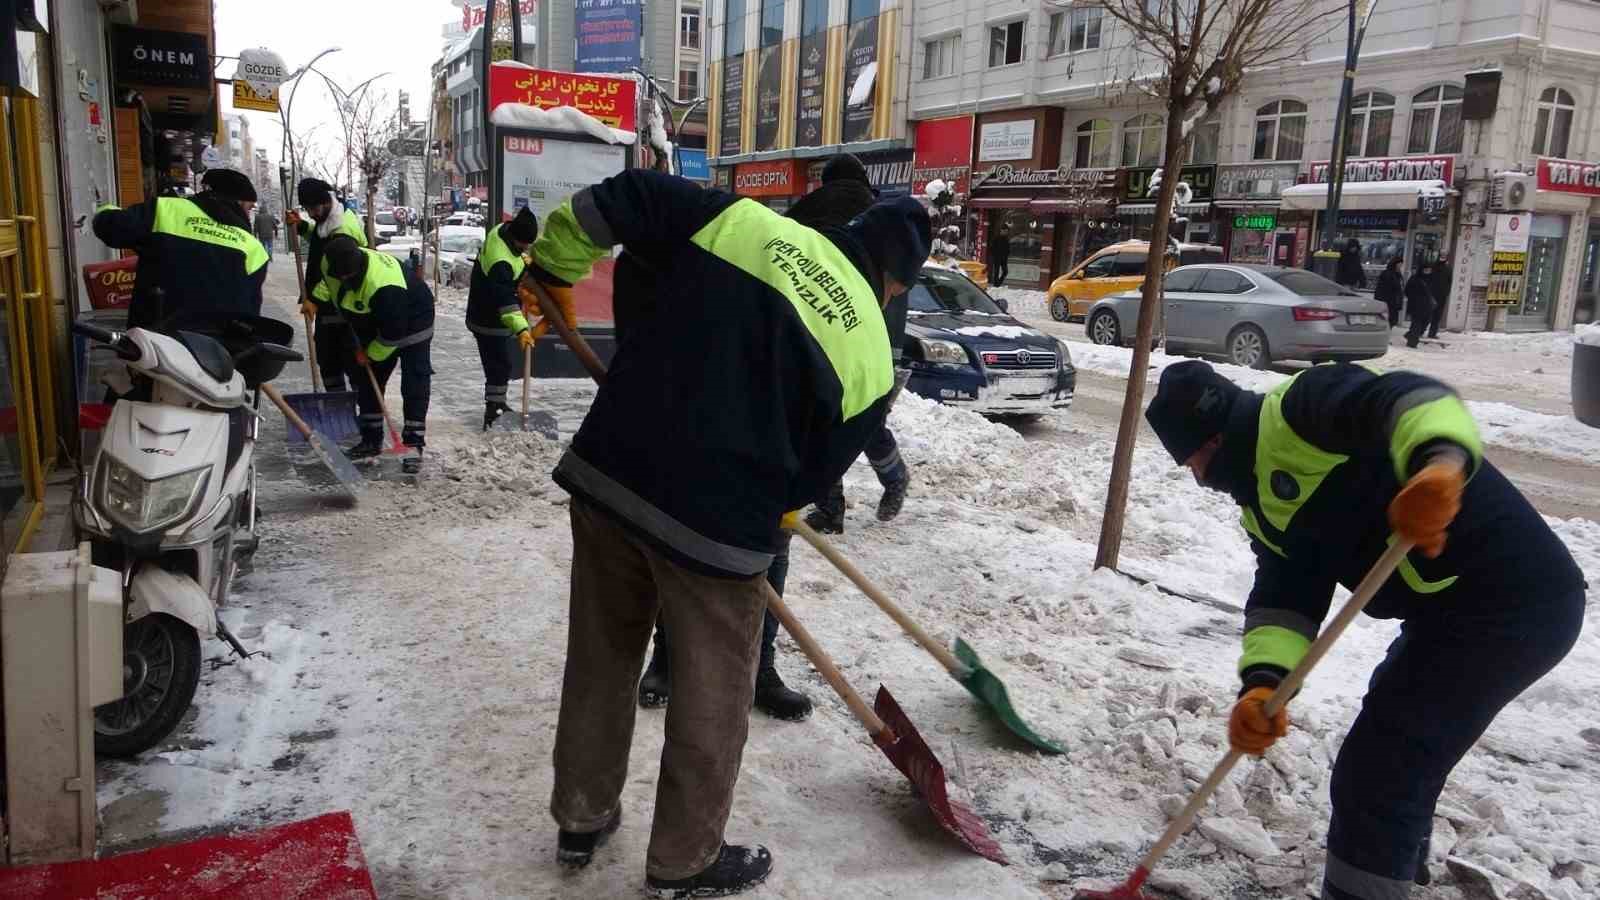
<point x="1191" y="407"/>
<point x="845" y="167"/>
<point x="897" y="236"/>
<point x="314" y="192"/>
<point x="229" y="184"/>
<point x="523" y="227"/>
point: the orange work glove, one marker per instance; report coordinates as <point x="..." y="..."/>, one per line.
<point x="292" y="218"/>
<point x="1249" y="729"/>
<point x="361" y="357"/>
<point x="525" y="338"/>
<point x="790" y="520"/>
<point x="1427" y="505"/>
<point x="308" y="309"/>
<point x="562" y="294"/>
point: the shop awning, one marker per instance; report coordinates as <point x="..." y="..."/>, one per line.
<point x="1364" y="194"/>
<point x="1149" y="209"/>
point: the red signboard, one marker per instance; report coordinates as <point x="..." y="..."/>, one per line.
<point x="110" y="284"/>
<point x="472" y="13"/>
<point x="610" y="99"/>
<point x="773" y="178"/>
<point x="1569" y="176"/>
<point x="943" y="151"/>
<point x="1399" y="168"/>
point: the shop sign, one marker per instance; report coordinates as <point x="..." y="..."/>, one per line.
<point x="769" y="97"/>
<point x="1373" y="221"/>
<point x="722" y="178"/>
<point x="1062" y="177"/>
<point x="1264" y="181"/>
<point x="999" y="141"/>
<point x="691" y="163"/>
<point x="773" y="178"/>
<point x="607" y="35"/>
<point x="889" y="172"/>
<point x="808" y="106"/>
<point x="245" y="97"/>
<point x="1512" y="231"/>
<point x="110" y="284"/>
<point x="1569" y="177"/>
<point x="1202" y="180"/>
<point x="262" y="69"/>
<point x="943" y="152"/>
<point x="730" y="132"/>
<point x="176" y="59"/>
<point x="610" y="99"/>
<point x="1404" y="168"/>
<point x="1508" y="264"/>
<point x="1255" y="222"/>
<point x="860" y="76"/>
<point x="472" y="13"/>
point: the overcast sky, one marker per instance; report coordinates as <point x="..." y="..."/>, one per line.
<point x="401" y="37"/>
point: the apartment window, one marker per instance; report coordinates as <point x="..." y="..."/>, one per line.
<point x="939" y="56"/>
<point x="1093" y="145"/>
<point x="1371" y="121"/>
<point x="1141" y="141"/>
<point x="1075" y="30"/>
<point x="1280" y="130"/>
<point x="688" y="83"/>
<point x="689" y="28"/>
<point x="1435" y="121"/>
<point x="1006" y="43"/>
<point x="1553" y="129"/>
<point x="1203" y="147"/>
<point x="733" y="20"/>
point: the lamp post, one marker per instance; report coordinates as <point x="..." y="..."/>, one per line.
<point x="287" y="111"/>
<point x="1326" y="260"/>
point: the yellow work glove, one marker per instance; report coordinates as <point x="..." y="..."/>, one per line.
<point x="1249" y="728"/>
<point x="525" y="338"/>
<point x="790" y="520"/>
<point x="560" y="293"/>
<point x="308" y="309"/>
<point x="1426" y="506"/>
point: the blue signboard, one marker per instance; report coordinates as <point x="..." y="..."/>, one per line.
<point x="607" y="35"/>
<point x="692" y="164"/>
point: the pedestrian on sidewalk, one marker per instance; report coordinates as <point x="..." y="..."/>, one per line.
<point x="1330" y="468"/>
<point x="999" y="254"/>
<point x="266" y="229"/>
<point x="1440" y="286"/>
<point x="1349" y="272"/>
<point x="1391" y="289"/>
<point x="494" y="312"/>
<point x="390" y="311"/>
<point x="333" y="340"/>
<point x="1419" y="303"/>
<point x="766" y="370"/>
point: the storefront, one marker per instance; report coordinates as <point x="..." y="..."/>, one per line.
<point x="775" y="182"/>
<point x="1249" y="224"/>
<point x="1392" y="207"/>
<point x="1137" y="210"/>
<point x="1015" y="163"/>
<point x="888" y="171"/>
<point x="943" y="152"/>
<point x="1562" y="280"/>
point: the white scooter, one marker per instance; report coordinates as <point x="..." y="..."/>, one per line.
<point x="170" y="501"/>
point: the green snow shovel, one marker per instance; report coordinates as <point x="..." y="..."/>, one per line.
<point x="963" y="665"/>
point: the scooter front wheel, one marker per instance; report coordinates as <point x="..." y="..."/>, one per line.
<point x="160" y="671"/>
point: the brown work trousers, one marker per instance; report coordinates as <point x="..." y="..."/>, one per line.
<point x="619" y="585"/>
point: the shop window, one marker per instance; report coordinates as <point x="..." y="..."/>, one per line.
<point x="1280" y="130"/>
<point x="733" y="19"/>
<point x="1203" y="149"/>
<point x="1552" y="131"/>
<point x="1435" y="121"/>
<point x="689" y="28"/>
<point x="1093" y="145"/>
<point x="1075" y="30"/>
<point x="1371" y="123"/>
<point x="939" y="56"/>
<point x="1007" y="43"/>
<point x="1141" y="140"/>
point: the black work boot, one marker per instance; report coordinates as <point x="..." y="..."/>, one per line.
<point x="412" y="464"/>
<point x="371" y="445"/>
<point x="491" y="412"/>
<point x="894" y="497"/>
<point x="736" y="870"/>
<point x="656" y="685"/>
<point x="574" y="849"/>
<point x="827" y="516"/>
<point x="1423" y="878"/>
<point x="777" y="699"/>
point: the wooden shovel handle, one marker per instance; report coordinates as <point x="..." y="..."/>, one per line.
<point x="569" y="333"/>
<point x="939" y="651"/>
<point x="830" y="673"/>
<point x="1376" y="576"/>
<point x="527" y="376"/>
<point x="383" y="405"/>
<point x="287" y="410"/>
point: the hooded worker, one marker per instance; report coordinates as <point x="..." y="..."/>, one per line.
<point x="494" y="312"/>
<point x="1329" y="469"/>
<point x="334" y="343"/>
<point x="760" y="379"/>
<point x="199" y="265"/>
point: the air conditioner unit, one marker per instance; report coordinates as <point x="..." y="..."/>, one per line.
<point x="1511" y="192"/>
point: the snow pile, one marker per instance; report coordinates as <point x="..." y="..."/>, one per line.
<point x="997" y="331"/>
<point x="1024" y="303"/>
<point x="1588" y="335"/>
<point x="564" y="119"/>
<point x="655" y="130"/>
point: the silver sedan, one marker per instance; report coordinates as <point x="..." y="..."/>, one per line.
<point x="1252" y="315"/>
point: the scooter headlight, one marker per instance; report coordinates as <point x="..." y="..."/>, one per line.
<point x="145" y="505"/>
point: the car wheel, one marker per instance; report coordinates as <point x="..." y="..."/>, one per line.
<point x="1104" y="329"/>
<point x="1058" y="309"/>
<point x="1247" y="347"/>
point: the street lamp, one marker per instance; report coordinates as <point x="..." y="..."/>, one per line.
<point x="288" y="109"/>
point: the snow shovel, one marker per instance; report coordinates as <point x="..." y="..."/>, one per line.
<point x="395" y="446"/>
<point x="1380" y="572"/>
<point x="963" y="665"/>
<point x="332" y="415"/>
<point x="568" y="331"/>
<point x="326" y="451"/>
<point x="898" y="739"/>
<point x="541" y="421"/>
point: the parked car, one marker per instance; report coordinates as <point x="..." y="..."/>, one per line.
<point x="458" y="249"/>
<point x="409" y="250"/>
<point x="1112" y="270"/>
<point x="964" y="349"/>
<point x="1253" y="315"/>
<point x="384" y="226"/>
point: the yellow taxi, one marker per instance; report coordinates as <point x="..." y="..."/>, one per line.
<point x="1112" y="270"/>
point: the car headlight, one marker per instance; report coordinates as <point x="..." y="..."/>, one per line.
<point x="145" y="505"/>
<point x="1065" y="357"/>
<point x="942" y="351"/>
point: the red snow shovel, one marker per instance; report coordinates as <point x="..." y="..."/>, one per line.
<point x="898" y="739"/>
<point x="1380" y="572"/>
<point x="963" y="665"/>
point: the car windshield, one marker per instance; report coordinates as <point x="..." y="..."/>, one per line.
<point x="384" y="218"/>
<point x="1309" y="284"/>
<point x="938" y="291"/>
<point x="458" y="243"/>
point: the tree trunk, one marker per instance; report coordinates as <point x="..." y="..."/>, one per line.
<point x="1133" y="400"/>
<point x="372" y="201"/>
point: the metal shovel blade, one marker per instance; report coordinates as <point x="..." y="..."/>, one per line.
<point x="983" y="685"/>
<point x="537" y="420"/>
<point x="332" y="415"/>
<point x="912" y="756"/>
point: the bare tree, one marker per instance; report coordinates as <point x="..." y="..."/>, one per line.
<point x="371" y="123"/>
<point x="1189" y="55"/>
